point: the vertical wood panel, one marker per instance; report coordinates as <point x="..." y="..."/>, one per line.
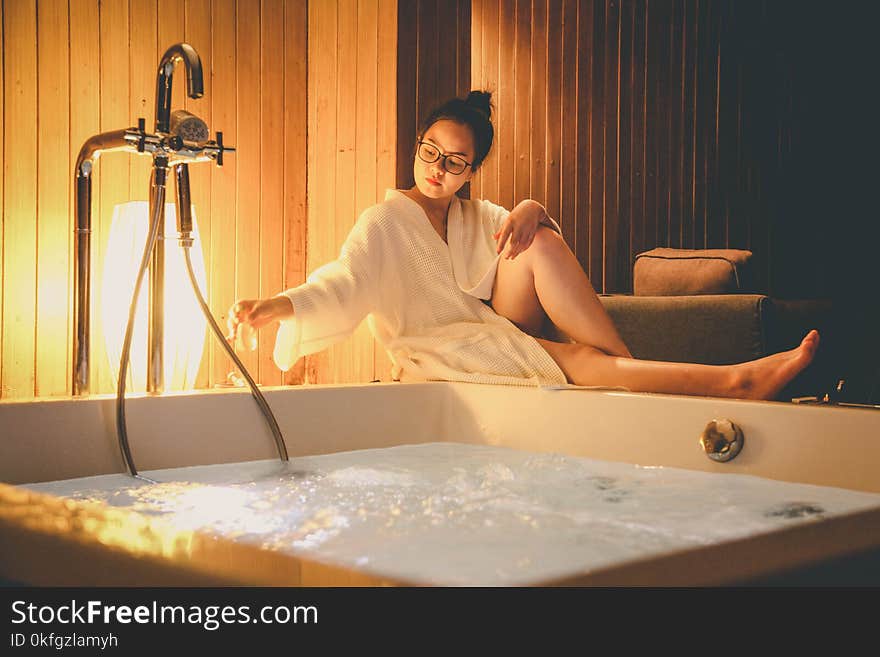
<point x="478" y="68"/>
<point x="20" y="197"/>
<point x="674" y="121"/>
<point x="489" y="82"/>
<point x="112" y="172"/>
<point x="386" y="129"/>
<point x="597" y="148"/>
<point x="583" y="134"/>
<point x="638" y="126"/>
<point x="505" y="106"/>
<point x="620" y="248"/>
<point x="247" y="192"/>
<point x="322" y="149"/>
<point x="271" y="260"/>
<point x="85" y="90"/>
<point x="198" y="35"/>
<point x="610" y="218"/>
<point x="553" y="151"/>
<point x="538" y="102"/>
<point x="407" y="93"/>
<point x="522" y="101"/>
<point x="53" y="208"/>
<point x="2" y="188"/>
<point x="223" y="182"/>
<point x="570" y="153"/>
<point x="675" y="128"/>
<point x="296" y="169"/>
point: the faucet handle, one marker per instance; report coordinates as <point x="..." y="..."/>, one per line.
<point x="219" y="149"/>
<point x="142" y="132"/>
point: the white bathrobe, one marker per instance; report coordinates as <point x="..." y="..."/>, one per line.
<point x="422" y="298"/>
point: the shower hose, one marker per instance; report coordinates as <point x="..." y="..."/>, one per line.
<point x="122" y="433"/>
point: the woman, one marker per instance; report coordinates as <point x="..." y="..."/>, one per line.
<point x="463" y="290"/>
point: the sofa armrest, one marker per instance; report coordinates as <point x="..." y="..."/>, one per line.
<point x="714" y="329"/>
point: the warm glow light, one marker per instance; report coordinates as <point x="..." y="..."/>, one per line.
<point x="184" y="322"/>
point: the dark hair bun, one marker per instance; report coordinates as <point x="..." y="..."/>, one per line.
<point x="481" y="100"/>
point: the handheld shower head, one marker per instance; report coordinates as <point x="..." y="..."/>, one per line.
<point x="188" y="127"/>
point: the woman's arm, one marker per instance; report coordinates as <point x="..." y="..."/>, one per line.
<point x="521" y="225"/>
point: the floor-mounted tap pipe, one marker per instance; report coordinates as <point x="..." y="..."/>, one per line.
<point x="157" y="219"/>
<point x="179" y="52"/>
<point x="91" y="150"/>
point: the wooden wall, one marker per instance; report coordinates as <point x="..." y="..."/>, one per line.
<point x="681" y="123"/>
<point x="73" y="69"/>
<point x="434" y="64"/>
<point x="352" y="139"/>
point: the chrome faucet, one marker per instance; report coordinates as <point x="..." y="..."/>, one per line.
<point x="180" y="138"/>
<point x="168" y="150"/>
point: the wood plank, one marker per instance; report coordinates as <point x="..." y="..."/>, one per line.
<point x="54" y="235"/>
<point x="621" y="247"/>
<point x="223" y="183"/>
<point x="490" y="180"/>
<point x="462" y="67"/>
<point x="570" y="152"/>
<point x="143" y="61"/>
<point x="350" y="357"/>
<point x="111" y="176"/>
<point x="407" y="109"/>
<point x="584" y="133"/>
<point x="322" y="158"/>
<point x="463" y="53"/>
<point x="386" y="161"/>
<point x="661" y="28"/>
<point x="197" y="32"/>
<point x="478" y="65"/>
<point x="674" y="125"/>
<point x="553" y="151"/>
<point x="367" y="102"/>
<point x="20" y="199"/>
<point x="85" y="91"/>
<point x="610" y="216"/>
<point x="639" y="118"/>
<point x="171" y="30"/>
<point x="538" y="103"/>
<point x="522" y="95"/>
<point x="427" y="81"/>
<point x="271" y="261"/>
<point x="505" y="116"/>
<point x="2" y="187"/>
<point x="295" y="154"/>
<point x="247" y="191"/>
<point x="688" y="123"/>
<point x="597" y="151"/>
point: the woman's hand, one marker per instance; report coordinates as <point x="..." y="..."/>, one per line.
<point x="520" y="227"/>
<point x="256" y="313"/>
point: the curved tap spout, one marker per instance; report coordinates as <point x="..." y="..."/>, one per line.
<point x="179" y="52"/>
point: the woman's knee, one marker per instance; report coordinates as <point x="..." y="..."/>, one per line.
<point x="548" y="240"/>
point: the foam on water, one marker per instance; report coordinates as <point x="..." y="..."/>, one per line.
<point x="455" y="514"/>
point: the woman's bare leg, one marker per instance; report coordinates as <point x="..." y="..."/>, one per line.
<point x="758" y="379"/>
<point x="547" y="281"/>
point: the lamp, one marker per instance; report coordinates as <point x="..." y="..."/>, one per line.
<point x="184" y="332"/>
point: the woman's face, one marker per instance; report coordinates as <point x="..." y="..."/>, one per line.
<point x="448" y="138"/>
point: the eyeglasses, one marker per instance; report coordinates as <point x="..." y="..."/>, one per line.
<point x="428" y="153"/>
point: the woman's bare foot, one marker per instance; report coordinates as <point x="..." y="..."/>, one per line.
<point x="766" y="377"/>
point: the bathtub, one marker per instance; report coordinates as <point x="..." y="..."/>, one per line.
<point x="46" y="540"/>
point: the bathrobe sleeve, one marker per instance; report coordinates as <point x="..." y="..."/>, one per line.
<point x="334" y="299"/>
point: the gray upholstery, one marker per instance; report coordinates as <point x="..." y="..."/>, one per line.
<point x="711" y="329"/>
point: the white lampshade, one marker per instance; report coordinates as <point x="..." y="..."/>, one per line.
<point x="184" y="322"/>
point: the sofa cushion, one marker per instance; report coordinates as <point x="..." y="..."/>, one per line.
<point x="674" y="272"/>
